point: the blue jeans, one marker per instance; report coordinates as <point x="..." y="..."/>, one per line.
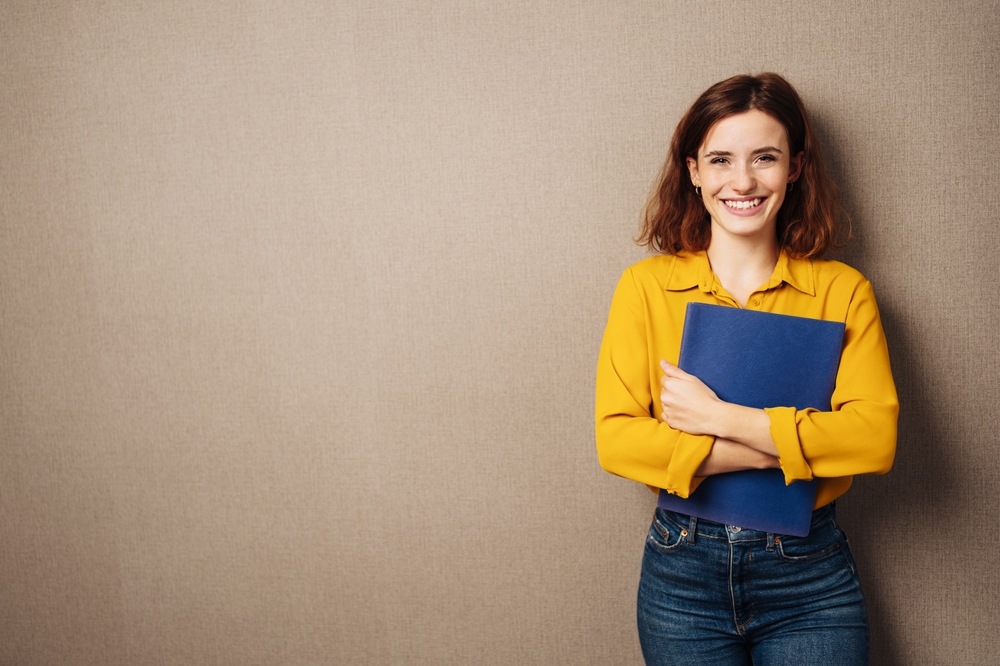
<point x="716" y="594"/>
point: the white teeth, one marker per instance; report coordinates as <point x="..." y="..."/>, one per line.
<point x="742" y="204"/>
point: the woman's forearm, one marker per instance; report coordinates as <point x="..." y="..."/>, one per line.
<point x="745" y="425"/>
<point x="688" y="405"/>
<point x="731" y="456"/>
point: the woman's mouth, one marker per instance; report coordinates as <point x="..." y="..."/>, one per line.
<point x="743" y="204"/>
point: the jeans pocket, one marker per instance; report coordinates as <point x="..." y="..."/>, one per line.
<point x="665" y="536"/>
<point x="807" y="549"/>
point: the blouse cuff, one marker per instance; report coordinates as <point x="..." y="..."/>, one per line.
<point x="689" y="453"/>
<point x="786" y="437"/>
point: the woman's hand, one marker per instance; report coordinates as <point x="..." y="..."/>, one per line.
<point x="687" y="403"/>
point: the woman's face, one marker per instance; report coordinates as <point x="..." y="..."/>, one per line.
<point x="743" y="169"/>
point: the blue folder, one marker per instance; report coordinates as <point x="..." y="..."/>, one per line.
<point x="758" y="359"/>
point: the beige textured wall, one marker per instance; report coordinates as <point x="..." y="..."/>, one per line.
<point x="300" y="304"/>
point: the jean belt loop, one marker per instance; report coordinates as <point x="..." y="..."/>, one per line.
<point x="770" y="541"/>
<point x="692" y="529"/>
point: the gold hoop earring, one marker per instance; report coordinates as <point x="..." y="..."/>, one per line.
<point x="697" y="190"/>
<point x="791" y="185"/>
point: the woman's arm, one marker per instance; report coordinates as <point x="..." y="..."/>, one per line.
<point x="857" y="436"/>
<point x="742" y="434"/>
<point x="689" y="405"/>
<point x="731" y="456"/>
<point x="631" y="441"/>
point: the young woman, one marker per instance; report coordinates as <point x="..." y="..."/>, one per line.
<point x="741" y="217"/>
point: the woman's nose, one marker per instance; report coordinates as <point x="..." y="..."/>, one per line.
<point x="743" y="180"/>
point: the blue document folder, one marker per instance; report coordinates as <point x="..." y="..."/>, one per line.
<point x="758" y="359"/>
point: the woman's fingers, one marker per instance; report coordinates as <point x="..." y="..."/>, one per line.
<point x="671" y="385"/>
<point x="686" y="403"/>
<point x="685" y="381"/>
<point x="672" y="370"/>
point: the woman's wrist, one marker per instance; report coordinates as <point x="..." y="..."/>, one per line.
<point x="728" y="455"/>
<point x="748" y="426"/>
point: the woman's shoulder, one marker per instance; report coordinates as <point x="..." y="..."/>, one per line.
<point x="836" y="282"/>
<point x="832" y="273"/>
<point x="654" y="265"/>
<point x="664" y="268"/>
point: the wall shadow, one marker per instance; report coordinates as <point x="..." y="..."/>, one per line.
<point x="918" y="495"/>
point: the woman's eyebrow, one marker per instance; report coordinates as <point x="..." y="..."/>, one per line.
<point x="726" y="153"/>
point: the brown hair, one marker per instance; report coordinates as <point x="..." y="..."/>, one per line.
<point x="810" y="221"/>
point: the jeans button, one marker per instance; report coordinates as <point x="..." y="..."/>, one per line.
<point x="735" y="528"/>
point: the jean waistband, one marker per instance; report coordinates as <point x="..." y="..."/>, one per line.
<point x="699" y="527"/>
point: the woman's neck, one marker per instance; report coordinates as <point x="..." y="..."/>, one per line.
<point x="742" y="265"/>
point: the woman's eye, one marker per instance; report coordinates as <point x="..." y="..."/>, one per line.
<point x="719" y="160"/>
<point x="766" y="158"/>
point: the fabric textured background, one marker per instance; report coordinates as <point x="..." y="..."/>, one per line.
<point x="300" y="305"/>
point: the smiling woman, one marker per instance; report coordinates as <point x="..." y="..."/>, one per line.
<point x="809" y="222"/>
<point x="742" y="171"/>
<point x="742" y="215"/>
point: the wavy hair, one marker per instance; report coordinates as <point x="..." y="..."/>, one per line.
<point x="810" y="221"/>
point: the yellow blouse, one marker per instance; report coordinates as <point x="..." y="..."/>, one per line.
<point x="647" y="317"/>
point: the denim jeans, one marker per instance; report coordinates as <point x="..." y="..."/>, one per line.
<point x="717" y="594"/>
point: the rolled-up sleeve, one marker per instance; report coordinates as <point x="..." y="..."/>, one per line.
<point x="631" y="441"/>
<point x="859" y="435"/>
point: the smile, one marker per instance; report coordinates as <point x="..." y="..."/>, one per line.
<point x="742" y="205"/>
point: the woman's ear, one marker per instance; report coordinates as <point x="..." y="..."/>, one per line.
<point x="692" y="165"/>
<point x="795" y="166"/>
